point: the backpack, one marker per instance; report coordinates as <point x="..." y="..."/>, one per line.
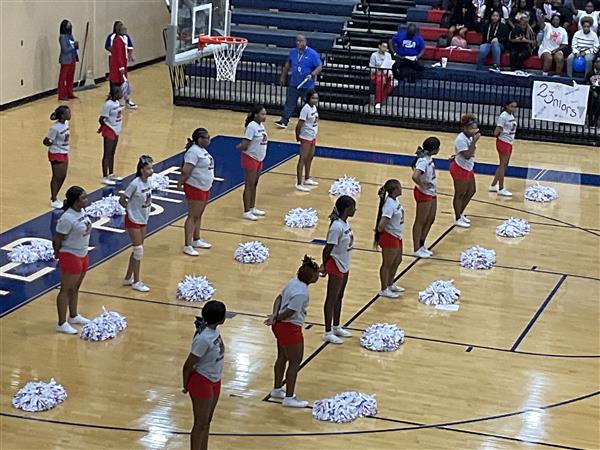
<point x="458" y="41"/>
<point x="443" y="42"/>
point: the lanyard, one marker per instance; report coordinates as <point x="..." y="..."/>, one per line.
<point x="300" y="57"/>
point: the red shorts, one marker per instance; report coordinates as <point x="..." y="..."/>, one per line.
<point x="503" y="147"/>
<point x="249" y="163"/>
<point x="198" y="386"/>
<point x="130" y="224"/>
<point x="193" y="193"/>
<point x="306" y="141"/>
<point x="458" y="173"/>
<point x="386" y="240"/>
<point x="108" y="133"/>
<point x="420" y="197"/>
<point x="58" y="157"/>
<point x="287" y="333"/>
<point x="331" y="268"/>
<point x="71" y="264"/>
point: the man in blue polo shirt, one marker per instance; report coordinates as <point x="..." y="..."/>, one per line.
<point x="409" y="47"/>
<point x="305" y="65"/>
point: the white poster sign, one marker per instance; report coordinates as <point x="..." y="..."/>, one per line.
<point x="557" y="102"/>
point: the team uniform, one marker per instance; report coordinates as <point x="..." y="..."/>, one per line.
<point x="200" y="181"/>
<point x="254" y="155"/>
<point x="295" y="297"/>
<point x="58" y="134"/>
<point x="391" y="236"/>
<point x="426" y="165"/>
<point x="205" y="380"/>
<point x="508" y="124"/>
<point x="77" y="228"/>
<point x="341" y="237"/>
<point x="310" y="128"/>
<point x="139" y="195"/>
<point x="461" y="168"/>
<point x="112" y="111"/>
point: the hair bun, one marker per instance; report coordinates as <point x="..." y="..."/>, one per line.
<point x="53" y="116"/>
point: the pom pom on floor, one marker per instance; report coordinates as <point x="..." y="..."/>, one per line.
<point x="539" y="193"/>
<point x="36" y="250"/>
<point x="158" y="181"/>
<point x="478" y="258"/>
<point x="105" y="207"/>
<point x="345" y="186"/>
<point x="194" y="289"/>
<point x="39" y="396"/>
<point x="513" y="227"/>
<point x="439" y="292"/>
<point x="345" y="407"/>
<point x="301" y="218"/>
<point x="252" y="252"/>
<point x="104" y="327"/>
<point x="382" y="337"/>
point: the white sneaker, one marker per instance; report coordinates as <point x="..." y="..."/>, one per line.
<point x="493" y="188"/>
<point x="130" y="104"/>
<point x="310" y="182"/>
<point x="278" y="393"/>
<point x="258" y="212"/>
<point x="78" y="320"/>
<point x="140" y="286"/>
<point x="395" y="288"/>
<point x="56" y="204"/>
<point x="378" y="106"/>
<point x="189" y="250"/>
<point x="429" y="252"/>
<point x="465" y="218"/>
<point x="340" y="332"/>
<point x="422" y="253"/>
<point x="332" y="338"/>
<point x="461" y="223"/>
<point x="127" y="281"/>
<point x="107" y="181"/>
<point x="66" y="328"/>
<point x="301" y="188"/>
<point x="293" y="402"/>
<point x="505" y="193"/>
<point x="113" y="177"/>
<point x="201" y="244"/>
<point x="249" y="216"/>
<point x="387" y="292"/>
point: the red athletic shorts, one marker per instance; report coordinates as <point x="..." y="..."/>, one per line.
<point x="503" y="147"/>
<point x="287" y="333"/>
<point x="130" y="224"/>
<point x="458" y="173"/>
<point x="198" y="386"/>
<point x="249" y="163"/>
<point x="420" y="197"/>
<point x="108" y="133"/>
<point x="193" y="193"/>
<point x="386" y="240"/>
<point x="306" y="141"/>
<point x="71" y="264"/>
<point x="58" y="157"/>
<point x="331" y="268"/>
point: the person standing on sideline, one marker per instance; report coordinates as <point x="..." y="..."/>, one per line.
<point x="67" y="59"/>
<point x="306" y="134"/>
<point x="57" y="142"/>
<point x="505" y="135"/>
<point x="305" y="65"/>
<point x="381" y="74"/>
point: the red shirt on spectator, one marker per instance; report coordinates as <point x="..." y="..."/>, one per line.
<point x="118" y="60"/>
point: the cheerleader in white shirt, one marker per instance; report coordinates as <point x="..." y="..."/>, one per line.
<point x="57" y="142"/>
<point x="111" y="120"/>
<point x="505" y="131"/>
<point x="306" y="135"/>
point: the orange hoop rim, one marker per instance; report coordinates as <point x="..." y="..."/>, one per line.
<point x="204" y="40"/>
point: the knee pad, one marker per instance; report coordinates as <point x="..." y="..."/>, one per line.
<point x="138" y="252"/>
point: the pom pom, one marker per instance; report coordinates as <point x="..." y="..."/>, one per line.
<point x="39" y="396"/>
<point x="105" y="207"/>
<point x="36" y="250"/>
<point x="345" y="407"/>
<point x="513" y="227"/>
<point x="252" y="252"/>
<point x="345" y="186"/>
<point x="539" y="193"/>
<point x="478" y="258"/>
<point x="194" y="289"/>
<point x="105" y="326"/>
<point x="301" y="218"/>
<point x="439" y="292"/>
<point x="382" y="337"/>
<point x="158" y="181"/>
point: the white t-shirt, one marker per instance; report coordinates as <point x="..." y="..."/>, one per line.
<point x="340" y="235"/>
<point x="203" y="173"/>
<point x="461" y="144"/>
<point x="392" y="209"/>
<point x="77" y="228"/>
<point x="257" y="135"/>
<point x="59" y="135"/>
<point x="508" y="123"/>
<point x="295" y="297"/>
<point x="427" y="166"/>
<point x="310" y="128"/>
<point x="112" y="111"/>
<point x="140" y="201"/>
<point x="595" y="15"/>
<point x="210" y="349"/>
<point x="553" y="38"/>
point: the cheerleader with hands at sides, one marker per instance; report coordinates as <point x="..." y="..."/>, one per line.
<point x="505" y="131"/>
<point x="306" y="135"/>
<point x="57" y="142"/>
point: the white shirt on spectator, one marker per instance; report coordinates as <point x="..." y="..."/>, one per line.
<point x="554" y="37"/>
<point x="595" y="15"/>
<point x="587" y="43"/>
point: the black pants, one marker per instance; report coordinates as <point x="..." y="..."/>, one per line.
<point x="405" y="69"/>
<point x="518" y="56"/>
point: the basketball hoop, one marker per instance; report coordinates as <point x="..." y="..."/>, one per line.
<point x="227" y="51"/>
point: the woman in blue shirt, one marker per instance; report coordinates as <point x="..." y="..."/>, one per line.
<point x="67" y="60"/>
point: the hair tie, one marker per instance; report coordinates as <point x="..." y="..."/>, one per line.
<point x="381" y="192"/>
<point x="200" y="324"/>
<point x="421" y="152"/>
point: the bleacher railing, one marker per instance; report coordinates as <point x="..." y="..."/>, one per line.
<point x="434" y="102"/>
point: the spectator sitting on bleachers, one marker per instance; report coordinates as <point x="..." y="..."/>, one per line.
<point x="552" y="8"/>
<point x="585" y="44"/>
<point x="381" y="74"/>
<point x="409" y="47"/>
<point x="495" y="36"/>
<point x="593" y="79"/>
<point x="588" y="11"/>
<point x="522" y="43"/>
<point x="554" y="45"/>
<point x="463" y="18"/>
<point x="494" y="5"/>
<point x="520" y="8"/>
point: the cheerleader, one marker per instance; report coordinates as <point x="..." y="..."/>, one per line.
<point x="202" y="371"/>
<point x="505" y="135"/>
<point x="254" y="150"/>
<point x="461" y="168"/>
<point x="306" y="134"/>
<point x="425" y="195"/>
<point x="196" y="180"/>
<point x="337" y="255"/>
<point x="287" y="321"/>
<point x="137" y="201"/>
<point x="110" y="128"/>
<point x="389" y="227"/>
<point x="71" y="242"/>
<point x="57" y="142"/>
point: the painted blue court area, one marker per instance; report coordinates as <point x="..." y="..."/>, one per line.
<point x="22" y="283"/>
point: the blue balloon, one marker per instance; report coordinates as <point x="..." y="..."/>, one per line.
<point x="579" y="64"/>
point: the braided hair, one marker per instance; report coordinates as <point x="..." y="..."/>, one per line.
<point x="342" y="204"/>
<point x="385" y="190"/>
<point x="213" y="313"/>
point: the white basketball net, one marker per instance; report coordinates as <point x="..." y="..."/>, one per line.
<point x="227" y="56"/>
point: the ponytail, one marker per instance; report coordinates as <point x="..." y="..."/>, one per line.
<point x="59" y="112"/>
<point x="383" y="192"/>
<point x="213" y="313"/>
<point x="429" y="146"/>
<point x="197" y="134"/>
<point x="252" y="113"/>
<point x="73" y="193"/>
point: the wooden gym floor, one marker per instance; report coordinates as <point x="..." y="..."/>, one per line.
<point x="516" y="367"/>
